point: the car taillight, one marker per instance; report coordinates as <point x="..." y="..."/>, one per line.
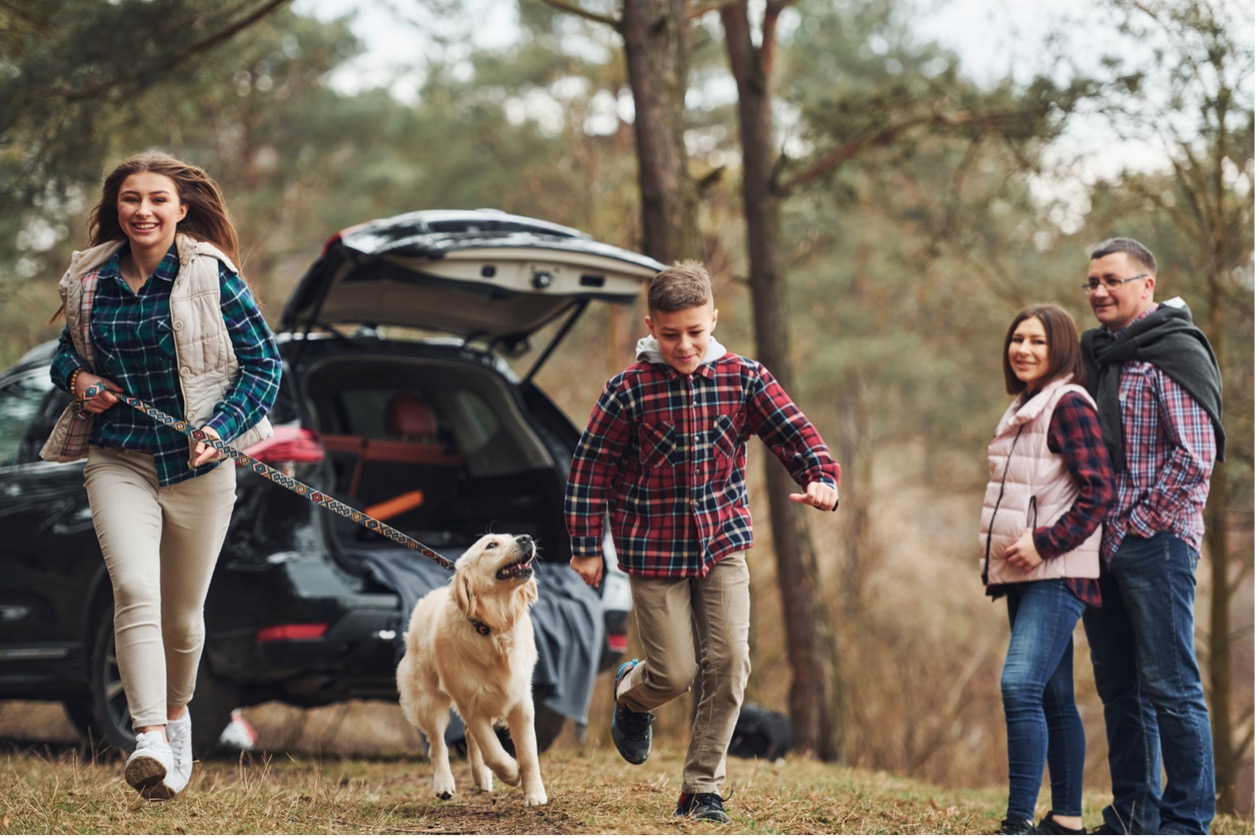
<point x="295" y="631"/>
<point x="617" y="642"/>
<point x="290" y="444"/>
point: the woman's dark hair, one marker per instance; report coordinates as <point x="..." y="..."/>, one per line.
<point x="207" y="218"/>
<point x="1064" y="355"/>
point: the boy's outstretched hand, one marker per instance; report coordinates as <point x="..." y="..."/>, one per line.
<point x="818" y="495"/>
<point x="589" y="568"/>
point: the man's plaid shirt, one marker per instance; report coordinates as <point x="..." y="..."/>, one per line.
<point x="1170" y="457"/>
<point x="664" y="455"/>
<point x="135" y="348"/>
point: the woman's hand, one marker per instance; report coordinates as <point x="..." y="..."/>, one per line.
<point x="1022" y="554"/>
<point x="103" y="399"/>
<point x="204" y="452"/>
<point x="819" y="495"/>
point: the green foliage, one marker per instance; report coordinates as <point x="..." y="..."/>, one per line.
<point x="297" y="159"/>
<point x="69" y="68"/>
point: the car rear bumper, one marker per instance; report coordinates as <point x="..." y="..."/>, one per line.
<point x="42" y="671"/>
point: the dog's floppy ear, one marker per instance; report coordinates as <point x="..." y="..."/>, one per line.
<point x="530" y="590"/>
<point x="464" y="597"/>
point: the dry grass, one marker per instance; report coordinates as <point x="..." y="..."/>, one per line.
<point x="51" y="788"/>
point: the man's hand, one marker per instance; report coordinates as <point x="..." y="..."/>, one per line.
<point x="819" y="496"/>
<point x="589" y="568"/>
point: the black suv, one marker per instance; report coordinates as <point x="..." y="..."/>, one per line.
<point x="396" y="399"/>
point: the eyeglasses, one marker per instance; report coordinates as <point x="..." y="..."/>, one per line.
<point x="1110" y="284"/>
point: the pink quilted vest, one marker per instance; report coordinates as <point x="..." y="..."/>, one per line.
<point x="1030" y="486"/>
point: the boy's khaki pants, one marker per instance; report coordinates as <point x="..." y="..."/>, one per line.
<point x="160" y="545"/>
<point x="673" y="616"/>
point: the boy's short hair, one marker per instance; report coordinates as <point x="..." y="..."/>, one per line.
<point x="682" y="285"/>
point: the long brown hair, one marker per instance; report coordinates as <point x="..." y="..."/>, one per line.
<point x="1064" y="354"/>
<point x="207" y="218"/>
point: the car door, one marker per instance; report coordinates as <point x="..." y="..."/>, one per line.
<point x="49" y="558"/>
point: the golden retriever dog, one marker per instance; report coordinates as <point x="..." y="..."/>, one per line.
<point x="470" y="646"/>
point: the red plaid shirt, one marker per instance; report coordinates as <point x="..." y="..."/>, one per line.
<point x="664" y="456"/>
<point x="1170" y="457"/>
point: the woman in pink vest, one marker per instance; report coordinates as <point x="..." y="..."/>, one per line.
<point x="1050" y="485"/>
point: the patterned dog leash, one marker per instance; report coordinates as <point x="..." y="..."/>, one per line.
<point x="278" y="477"/>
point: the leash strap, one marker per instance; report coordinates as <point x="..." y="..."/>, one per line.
<point x="278" y="477"/>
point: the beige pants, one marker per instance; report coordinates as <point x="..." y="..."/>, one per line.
<point x="673" y="615"/>
<point x="160" y="545"/>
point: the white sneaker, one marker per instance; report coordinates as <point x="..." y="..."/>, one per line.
<point x="148" y="766"/>
<point x="179" y="734"/>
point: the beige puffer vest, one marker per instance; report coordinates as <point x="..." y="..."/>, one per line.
<point x="1030" y="486"/>
<point x="207" y="362"/>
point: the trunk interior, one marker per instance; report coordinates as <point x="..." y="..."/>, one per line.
<point x="440" y="450"/>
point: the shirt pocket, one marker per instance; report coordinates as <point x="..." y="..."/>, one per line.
<point x="724" y="439"/>
<point x="162" y="336"/>
<point x="658" y="444"/>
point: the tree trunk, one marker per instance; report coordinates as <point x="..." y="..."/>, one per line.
<point x="1226" y="768"/>
<point x="1225" y="756"/>
<point x="657" y="61"/>
<point x="811" y="649"/>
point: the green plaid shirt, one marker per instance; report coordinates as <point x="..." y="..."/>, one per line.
<point x="135" y="348"/>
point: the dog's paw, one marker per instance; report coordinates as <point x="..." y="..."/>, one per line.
<point x="484" y="780"/>
<point x="443" y="787"/>
<point x="536" y="798"/>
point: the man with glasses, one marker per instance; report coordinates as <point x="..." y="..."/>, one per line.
<point x="1159" y="396"/>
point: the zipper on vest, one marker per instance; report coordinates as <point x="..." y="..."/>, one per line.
<point x="987" y="557"/>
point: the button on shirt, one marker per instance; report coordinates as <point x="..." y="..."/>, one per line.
<point x="664" y="455"/>
<point x="135" y="348"/>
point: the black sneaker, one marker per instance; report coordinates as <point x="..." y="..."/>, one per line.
<point x="701" y="806"/>
<point x="631" y="732"/>
<point x="1015" y="826"/>
<point x="1048" y="826"/>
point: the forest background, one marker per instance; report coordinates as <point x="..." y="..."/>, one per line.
<point x="916" y="207"/>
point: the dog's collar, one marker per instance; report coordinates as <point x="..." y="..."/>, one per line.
<point x="480" y="627"/>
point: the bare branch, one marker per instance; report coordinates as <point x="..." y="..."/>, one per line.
<point x="18" y="10"/>
<point x="698" y="10"/>
<point x="574" y="9"/>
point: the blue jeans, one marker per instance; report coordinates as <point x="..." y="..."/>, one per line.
<point x="1038" y="689"/>
<point x="1146" y="671"/>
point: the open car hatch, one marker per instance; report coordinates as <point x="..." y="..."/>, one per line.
<point x="475" y="274"/>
